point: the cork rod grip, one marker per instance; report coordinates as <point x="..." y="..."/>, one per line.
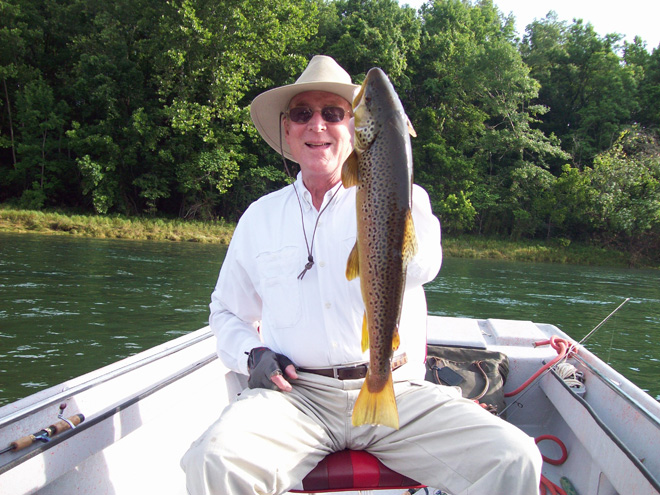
<point x="50" y="431"/>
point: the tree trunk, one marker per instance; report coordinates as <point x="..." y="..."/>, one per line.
<point x="11" y="125"/>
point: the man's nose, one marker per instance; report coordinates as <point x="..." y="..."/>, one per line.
<point x="316" y="122"/>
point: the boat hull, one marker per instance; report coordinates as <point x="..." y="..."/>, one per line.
<point x="142" y="414"/>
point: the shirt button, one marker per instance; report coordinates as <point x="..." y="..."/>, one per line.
<point x="322" y="264"/>
<point x="328" y="305"/>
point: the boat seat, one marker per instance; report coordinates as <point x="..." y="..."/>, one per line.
<point x="353" y="470"/>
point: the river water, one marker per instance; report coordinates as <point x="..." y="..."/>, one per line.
<point x="70" y="305"/>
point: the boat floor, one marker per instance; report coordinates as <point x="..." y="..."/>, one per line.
<point x="138" y="427"/>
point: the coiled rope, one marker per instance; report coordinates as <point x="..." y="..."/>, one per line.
<point x="546" y="484"/>
<point x="564" y="348"/>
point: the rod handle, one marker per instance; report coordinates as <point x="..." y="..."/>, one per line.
<point x="62" y="425"/>
<point x="23" y="442"/>
<point x="50" y="431"/>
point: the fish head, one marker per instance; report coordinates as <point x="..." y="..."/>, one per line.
<point x="375" y="104"/>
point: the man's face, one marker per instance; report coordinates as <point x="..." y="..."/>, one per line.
<point x="319" y="146"/>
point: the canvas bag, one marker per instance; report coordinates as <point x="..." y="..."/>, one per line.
<point x="480" y="373"/>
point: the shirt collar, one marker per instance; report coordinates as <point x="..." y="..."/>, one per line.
<point x="330" y="195"/>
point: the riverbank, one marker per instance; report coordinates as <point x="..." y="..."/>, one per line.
<point x="115" y="226"/>
<point x="477" y="247"/>
<point x="220" y="232"/>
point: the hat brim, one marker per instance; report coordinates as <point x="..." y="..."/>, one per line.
<point x="267" y="108"/>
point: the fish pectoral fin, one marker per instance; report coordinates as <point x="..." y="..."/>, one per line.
<point x="353" y="263"/>
<point x="396" y="340"/>
<point x="365" y="333"/>
<point x="376" y="408"/>
<point x="411" y="129"/>
<point x="350" y="171"/>
<point x="409" y="239"/>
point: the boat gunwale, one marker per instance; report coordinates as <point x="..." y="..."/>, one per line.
<point x="108" y="413"/>
<point x="188" y="341"/>
<point x="619" y="391"/>
<point x="609" y="432"/>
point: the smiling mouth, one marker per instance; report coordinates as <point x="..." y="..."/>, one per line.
<point x="317" y="145"/>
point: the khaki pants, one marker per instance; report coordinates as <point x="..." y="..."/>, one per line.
<point x="267" y="441"/>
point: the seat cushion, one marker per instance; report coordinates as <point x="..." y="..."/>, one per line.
<point x="353" y="470"/>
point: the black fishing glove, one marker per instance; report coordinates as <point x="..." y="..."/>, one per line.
<point x="263" y="364"/>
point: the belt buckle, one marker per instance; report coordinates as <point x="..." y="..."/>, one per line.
<point x="337" y="369"/>
<point x="346" y="369"/>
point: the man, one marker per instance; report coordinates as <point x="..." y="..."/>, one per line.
<point x="284" y="313"/>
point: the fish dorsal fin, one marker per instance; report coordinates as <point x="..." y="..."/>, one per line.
<point x="353" y="263"/>
<point x="396" y="340"/>
<point x="409" y="239"/>
<point x="411" y="129"/>
<point x="350" y="171"/>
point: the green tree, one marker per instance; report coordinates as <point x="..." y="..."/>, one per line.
<point x="33" y="54"/>
<point x="364" y="34"/>
<point x="627" y="207"/>
<point x="12" y="49"/>
<point x="19" y="35"/>
<point x="617" y="202"/>
<point x="160" y="92"/>
<point x="41" y="120"/>
<point x="215" y="57"/>
<point x="648" y="114"/>
<point x="531" y="201"/>
<point x="113" y="134"/>
<point x="475" y="94"/>
<point x="590" y="93"/>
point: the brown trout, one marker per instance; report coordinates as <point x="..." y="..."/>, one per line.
<point x="381" y="169"/>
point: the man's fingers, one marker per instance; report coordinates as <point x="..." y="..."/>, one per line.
<point x="291" y="371"/>
<point x="265" y="370"/>
<point x="281" y="382"/>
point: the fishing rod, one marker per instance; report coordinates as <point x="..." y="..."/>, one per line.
<point x="586" y="337"/>
<point x="47" y="433"/>
<point x="535" y="381"/>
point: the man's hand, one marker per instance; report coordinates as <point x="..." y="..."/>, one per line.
<point x="266" y="370"/>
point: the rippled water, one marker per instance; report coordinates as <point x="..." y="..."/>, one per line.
<point x="70" y="305"/>
<point x="574" y="298"/>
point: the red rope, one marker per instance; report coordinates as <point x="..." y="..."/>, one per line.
<point x="564" y="349"/>
<point x="564" y="452"/>
<point x="554" y="489"/>
<point x="546" y="484"/>
<point x="562" y="346"/>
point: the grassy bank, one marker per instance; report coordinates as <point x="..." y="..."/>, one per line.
<point x="536" y="251"/>
<point x="119" y="227"/>
<point x="114" y="226"/>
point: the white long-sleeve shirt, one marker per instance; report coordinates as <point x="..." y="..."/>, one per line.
<point x="316" y="321"/>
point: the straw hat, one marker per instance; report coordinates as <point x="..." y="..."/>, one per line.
<point x="323" y="73"/>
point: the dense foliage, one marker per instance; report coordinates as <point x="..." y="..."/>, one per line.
<point x="142" y="107"/>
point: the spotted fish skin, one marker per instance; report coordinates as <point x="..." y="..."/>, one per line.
<point x="381" y="170"/>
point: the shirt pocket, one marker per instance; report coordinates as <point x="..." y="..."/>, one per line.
<point x="280" y="289"/>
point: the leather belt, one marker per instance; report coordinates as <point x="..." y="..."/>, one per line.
<point x="352" y="372"/>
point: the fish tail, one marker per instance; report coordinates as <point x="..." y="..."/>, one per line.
<point x="376" y="408"/>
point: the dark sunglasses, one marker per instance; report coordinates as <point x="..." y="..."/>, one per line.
<point x="302" y="115"/>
